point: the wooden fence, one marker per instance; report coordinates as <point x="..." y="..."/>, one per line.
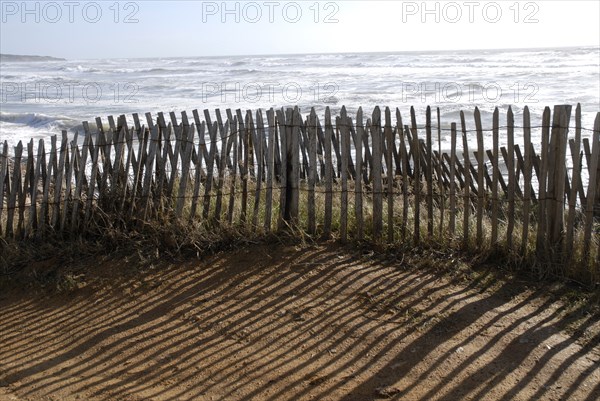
<point x="377" y="176"/>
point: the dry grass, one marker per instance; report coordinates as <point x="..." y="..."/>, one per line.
<point x="159" y="231"/>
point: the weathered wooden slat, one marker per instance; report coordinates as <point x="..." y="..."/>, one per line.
<point x="138" y="126"/>
<point x="173" y="118"/>
<point x="396" y="151"/>
<point x="40" y="160"/>
<point x="444" y="171"/>
<point x="560" y="139"/>
<point x="148" y="173"/>
<point x="345" y="150"/>
<point x="131" y="159"/>
<point x="128" y="160"/>
<point x="368" y="162"/>
<point x="389" y="151"/>
<point x="186" y="159"/>
<point x="577" y="157"/>
<point x="295" y="184"/>
<point x="505" y="156"/>
<point x="58" y="183"/>
<point x="474" y="190"/>
<point x="536" y="162"/>
<point x="500" y="179"/>
<point x="576" y="183"/>
<point x="527" y="190"/>
<point x="521" y="168"/>
<point x="541" y="243"/>
<point x="486" y="177"/>
<point x="303" y="143"/>
<point x="201" y="137"/>
<point x="99" y="124"/>
<point x="101" y="144"/>
<point x="467" y="178"/>
<point x="224" y="130"/>
<point x="253" y="159"/>
<point x="351" y="167"/>
<point x="439" y="171"/>
<point x="240" y="159"/>
<point x="4" y="181"/>
<point x="13" y="195"/>
<point x="144" y="138"/>
<point x="28" y="190"/>
<point x="230" y="140"/>
<point x="198" y="173"/>
<point x="312" y="172"/>
<point x="376" y="139"/>
<point x="260" y="136"/>
<point x="210" y="168"/>
<point x="105" y="140"/>
<point x="245" y="154"/>
<point x="367" y="159"/>
<point x="79" y="185"/>
<point x="336" y="149"/>
<point x="279" y="166"/>
<point x="213" y="136"/>
<point x="321" y="151"/>
<point x="91" y="188"/>
<point x="512" y="184"/>
<point x="282" y="125"/>
<point x="592" y="188"/>
<point x="458" y="170"/>
<point x="452" y="162"/>
<point x="272" y="127"/>
<point x="185" y="121"/>
<point x="111" y="123"/>
<point x="233" y="130"/>
<point x="263" y="162"/>
<point x="162" y="161"/>
<point x="429" y="171"/>
<point x="417" y="164"/>
<point x="480" y="177"/>
<point x="174" y="161"/>
<point x="405" y="173"/>
<point x="122" y="122"/>
<point x="358" y="201"/>
<point x="117" y="170"/>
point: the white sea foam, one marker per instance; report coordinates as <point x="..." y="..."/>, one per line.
<point x="41" y="99"/>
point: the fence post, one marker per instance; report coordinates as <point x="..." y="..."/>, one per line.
<point x="292" y="131"/>
<point x="556" y="177"/>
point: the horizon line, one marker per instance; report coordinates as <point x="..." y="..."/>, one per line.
<point x="319" y="53"/>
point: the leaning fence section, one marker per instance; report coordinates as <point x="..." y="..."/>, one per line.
<point x="376" y="176"/>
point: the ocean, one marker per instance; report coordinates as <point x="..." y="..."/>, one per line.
<point x="39" y="99"/>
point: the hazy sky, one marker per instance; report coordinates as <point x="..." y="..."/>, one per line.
<point x="100" y="29"/>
